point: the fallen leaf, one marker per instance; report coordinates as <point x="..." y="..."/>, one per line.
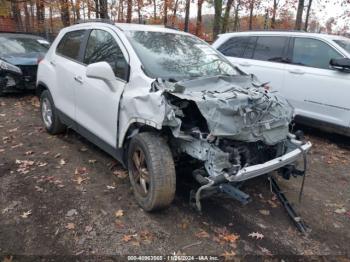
<point x="29" y="153"/>
<point x="46" y="152"/>
<point x="80" y="171"/>
<point x="119" y="213"/>
<point x="202" y="234"/>
<point x="83" y="149"/>
<point x="232" y="238"/>
<point x="57" y="155"/>
<point x="88" y="229"/>
<point x="110" y="187"/>
<point x="119" y="224"/>
<point x="265" y="251"/>
<point x="80" y="180"/>
<point x="256" y="235"/>
<point x="39" y="189"/>
<point x="228" y="255"/>
<point x="120" y="174"/>
<point x="8" y="259"/>
<point x="2" y="150"/>
<point x="71" y="212"/>
<point x="62" y="162"/>
<point x="340" y="211"/>
<point x="127" y="238"/>
<point x="92" y="161"/>
<point x="42" y="164"/>
<point x="70" y="226"/>
<point x="26" y="214"/>
<point x="264" y="212"/>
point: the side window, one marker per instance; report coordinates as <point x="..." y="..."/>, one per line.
<point x="270" y="48"/>
<point x="70" y="44"/>
<point x="101" y="47"/>
<point x="234" y="46"/>
<point x="313" y="53"/>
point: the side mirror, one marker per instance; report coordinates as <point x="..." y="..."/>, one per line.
<point x="340" y="64"/>
<point x="100" y="70"/>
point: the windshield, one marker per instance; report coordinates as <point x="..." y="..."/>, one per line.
<point x="345" y="44"/>
<point x="177" y="56"/>
<point x="20" y="45"/>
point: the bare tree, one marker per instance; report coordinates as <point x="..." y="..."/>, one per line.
<point x="40" y="14"/>
<point x="226" y="16"/>
<point x="26" y="17"/>
<point x="251" y="10"/>
<point x="274" y="12"/>
<point x="199" y="17"/>
<point x="299" y="18"/>
<point x="237" y="7"/>
<point x="154" y="9"/>
<point x="104" y="9"/>
<point x="187" y="15"/>
<point x="16" y="14"/>
<point x="64" y="6"/>
<point x="165" y="19"/>
<point x="217" y="18"/>
<point x="307" y="15"/>
<point x="129" y="11"/>
<point x="174" y="13"/>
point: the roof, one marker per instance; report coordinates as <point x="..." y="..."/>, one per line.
<point x="130" y="27"/>
<point x="286" y="33"/>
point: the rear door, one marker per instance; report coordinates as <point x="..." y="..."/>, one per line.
<point x="312" y="87"/>
<point x="97" y="104"/>
<point x="66" y="63"/>
<point x="263" y="56"/>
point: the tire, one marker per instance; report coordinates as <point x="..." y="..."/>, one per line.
<point x="54" y="125"/>
<point x="158" y="190"/>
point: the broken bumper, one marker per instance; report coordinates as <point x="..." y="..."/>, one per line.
<point x="269" y="166"/>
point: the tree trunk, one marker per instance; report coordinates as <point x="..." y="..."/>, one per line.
<point x="88" y="9"/>
<point x="73" y="10"/>
<point x="77" y="9"/>
<point x="139" y="6"/>
<point x="187" y="15"/>
<point x="40" y="14"/>
<point x="104" y="9"/>
<point x="307" y="15"/>
<point x="26" y="17"/>
<point x="299" y="18"/>
<point x="235" y="21"/>
<point x="65" y="12"/>
<point x="217" y="18"/>
<point x="174" y="13"/>
<point x="16" y="13"/>
<point x="97" y="8"/>
<point x="154" y="10"/>
<point x="199" y="18"/>
<point x="226" y="16"/>
<point x="165" y="20"/>
<point x="251" y="10"/>
<point x="274" y="11"/>
<point x="128" y="11"/>
<point x="51" y="20"/>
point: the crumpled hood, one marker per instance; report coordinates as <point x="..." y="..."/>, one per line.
<point x="237" y="107"/>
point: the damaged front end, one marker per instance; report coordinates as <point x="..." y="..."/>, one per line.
<point x="235" y="127"/>
<point x="10" y="77"/>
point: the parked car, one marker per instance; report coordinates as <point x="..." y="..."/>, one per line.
<point x="311" y="70"/>
<point x="22" y="51"/>
<point x="150" y="96"/>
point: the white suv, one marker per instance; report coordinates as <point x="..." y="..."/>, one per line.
<point x="311" y="70"/>
<point x="150" y="96"/>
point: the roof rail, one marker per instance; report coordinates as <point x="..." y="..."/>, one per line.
<point x="274" y="30"/>
<point x="172" y="27"/>
<point x="97" y="20"/>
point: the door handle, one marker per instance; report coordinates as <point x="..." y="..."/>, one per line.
<point x="53" y="63"/>
<point x="244" y="64"/>
<point x="79" y="79"/>
<point x="297" y="71"/>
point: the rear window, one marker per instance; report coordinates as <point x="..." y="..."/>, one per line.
<point x="20" y="45"/>
<point x="234" y="46"/>
<point x="70" y="44"/>
<point x="345" y="44"/>
<point x="270" y="48"/>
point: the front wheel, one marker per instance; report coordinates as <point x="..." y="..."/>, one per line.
<point x="49" y="114"/>
<point x="151" y="171"/>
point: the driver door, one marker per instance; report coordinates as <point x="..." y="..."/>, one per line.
<point x="97" y="103"/>
<point x="312" y="87"/>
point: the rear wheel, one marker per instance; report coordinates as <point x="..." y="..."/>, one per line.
<point x="151" y="171"/>
<point x="49" y="114"/>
